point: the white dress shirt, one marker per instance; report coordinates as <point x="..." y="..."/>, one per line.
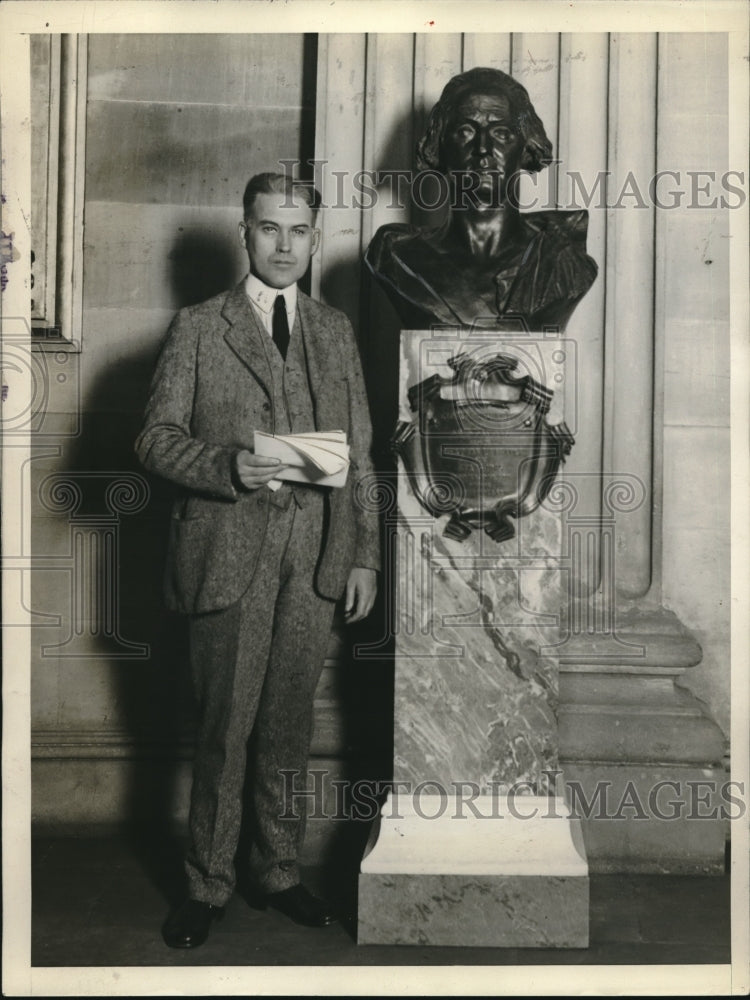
<point x="263" y="297"/>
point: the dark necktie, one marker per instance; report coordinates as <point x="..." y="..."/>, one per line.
<point x="280" y="326"/>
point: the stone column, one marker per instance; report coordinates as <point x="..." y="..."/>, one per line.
<point x="626" y="726"/>
<point x="475" y="845"/>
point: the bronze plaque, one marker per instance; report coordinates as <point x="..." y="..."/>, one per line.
<point x="479" y="446"/>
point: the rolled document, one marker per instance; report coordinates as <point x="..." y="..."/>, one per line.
<point x="319" y="457"/>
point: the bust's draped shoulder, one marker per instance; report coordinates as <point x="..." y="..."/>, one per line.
<point x="390" y="250"/>
<point x="555" y="267"/>
<point x="393" y="257"/>
<point x="385" y="240"/>
<point x="541" y="285"/>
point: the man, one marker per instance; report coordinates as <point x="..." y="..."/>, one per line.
<point x="257" y="568"/>
<point x="488" y="264"/>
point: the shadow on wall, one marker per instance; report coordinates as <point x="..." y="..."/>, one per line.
<point x="151" y="692"/>
<point x="202" y="264"/>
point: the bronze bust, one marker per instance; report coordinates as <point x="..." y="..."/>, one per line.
<point x="488" y="264"/>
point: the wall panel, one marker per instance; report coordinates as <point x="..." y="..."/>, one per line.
<point x="261" y="71"/>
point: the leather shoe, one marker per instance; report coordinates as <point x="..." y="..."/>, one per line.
<point x="188" y="925"/>
<point x="302" y="907"/>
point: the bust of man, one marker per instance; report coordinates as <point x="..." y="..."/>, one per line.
<point x="488" y="264"/>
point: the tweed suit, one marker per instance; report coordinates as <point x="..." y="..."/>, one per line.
<point x="209" y="393"/>
<point x="257" y="572"/>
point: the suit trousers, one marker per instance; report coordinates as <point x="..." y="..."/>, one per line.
<point x="255" y="666"/>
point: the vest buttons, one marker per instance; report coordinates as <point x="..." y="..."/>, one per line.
<point x="266" y="406"/>
<point x="261" y="500"/>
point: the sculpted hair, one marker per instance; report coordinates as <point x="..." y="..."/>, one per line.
<point x="537" y="151"/>
<point x="283" y="184"/>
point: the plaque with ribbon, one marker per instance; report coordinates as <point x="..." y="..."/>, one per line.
<point x="479" y="446"/>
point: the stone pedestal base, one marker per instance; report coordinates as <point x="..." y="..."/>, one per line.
<point x="491" y="871"/>
<point x="642" y="761"/>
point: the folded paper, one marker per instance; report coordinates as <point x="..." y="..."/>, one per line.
<point x="319" y="457"/>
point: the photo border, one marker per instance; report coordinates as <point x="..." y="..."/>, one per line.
<point x="18" y="18"/>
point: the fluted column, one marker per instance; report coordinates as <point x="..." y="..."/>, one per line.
<point x="629" y="330"/>
<point x="389" y="157"/>
<point x="536" y="64"/>
<point x="491" y="49"/>
<point x="389" y="132"/>
<point x="437" y="58"/>
<point x="582" y="152"/>
<point x="339" y="128"/>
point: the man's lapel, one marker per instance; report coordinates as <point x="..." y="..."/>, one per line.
<point x="245" y="335"/>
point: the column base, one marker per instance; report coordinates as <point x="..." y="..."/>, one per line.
<point x="496" y="872"/>
<point x="647" y="747"/>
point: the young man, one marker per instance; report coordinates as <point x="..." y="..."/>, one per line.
<point x="257" y="569"/>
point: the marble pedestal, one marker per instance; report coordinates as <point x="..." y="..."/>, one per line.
<point x="475" y="847"/>
<point x="490" y="871"/>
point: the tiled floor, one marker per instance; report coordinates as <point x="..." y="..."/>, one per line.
<point x="100" y="901"/>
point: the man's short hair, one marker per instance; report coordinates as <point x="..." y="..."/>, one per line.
<point x="537" y="151"/>
<point x="282" y="184"/>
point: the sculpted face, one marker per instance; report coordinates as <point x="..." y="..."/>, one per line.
<point x="482" y="138"/>
<point x="280" y="238"/>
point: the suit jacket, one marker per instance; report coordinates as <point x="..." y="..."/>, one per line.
<point x="210" y="391"/>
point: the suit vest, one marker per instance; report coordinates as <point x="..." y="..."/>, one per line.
<point x="292" y="403"/>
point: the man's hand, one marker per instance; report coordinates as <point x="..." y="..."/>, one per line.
<point x="361" y="588"/>
<point x="254" y="471"/>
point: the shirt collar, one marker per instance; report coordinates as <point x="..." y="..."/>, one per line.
<point x="263" y="296"/>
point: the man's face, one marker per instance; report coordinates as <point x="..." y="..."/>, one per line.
<point x="280" y="238"/>
<point x="482" y="137"/>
